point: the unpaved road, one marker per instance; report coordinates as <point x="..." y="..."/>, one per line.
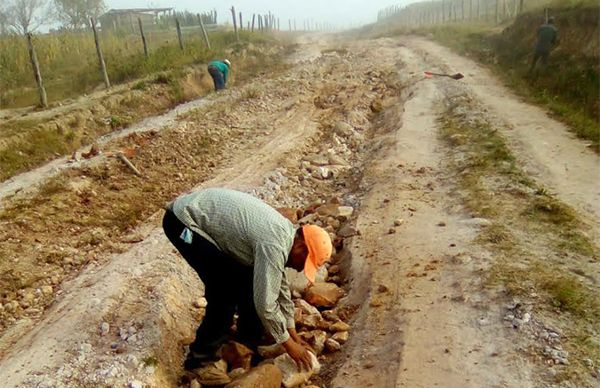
<point x="416" y="284"/>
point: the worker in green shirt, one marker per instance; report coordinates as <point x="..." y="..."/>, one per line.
<point x="240" y="247"/>
<point x="546" y="39"/>
<point x="219" y="71"/>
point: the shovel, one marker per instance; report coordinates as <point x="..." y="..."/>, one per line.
<point x="456" y="76"/>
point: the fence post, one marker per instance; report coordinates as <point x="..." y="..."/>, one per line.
<point x="241" y="22"/>
<point x="143" y="37"/>
<point x="204" y="33"/>
<point x="179" y="37"/>
<point x="497" y="11"/>
<point x="546" y="14"/>
<point x="253" y="17"/>
<point x="235" y="28"/>
<point x="100" y="56"/>
<point x="36" y="72"/>
<point x="521" y="7"/>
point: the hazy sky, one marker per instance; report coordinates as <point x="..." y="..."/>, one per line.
<point x="338" y="12"/>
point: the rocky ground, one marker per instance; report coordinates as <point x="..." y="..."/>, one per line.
<point x="356" y="140"/>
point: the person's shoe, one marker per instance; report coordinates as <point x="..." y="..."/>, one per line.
<point x="199" y="360"/>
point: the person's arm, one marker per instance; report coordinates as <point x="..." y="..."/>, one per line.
<point x="226" y="73"/>
<point x="268" y="276"/>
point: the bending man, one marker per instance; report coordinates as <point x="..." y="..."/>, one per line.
<point x="240" y="246"/>
<point x="219" y="71"/>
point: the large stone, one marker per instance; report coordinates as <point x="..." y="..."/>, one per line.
<point x="306" y="307"/>
<point x="292" y="376"/>
<point x="317" y="160"/>
<point x="332" y="345"/>
<point x="328" y="210"/>
<point x="312" y="321"/>
<point x="343" y="129"/>
<point x="237" y="355"/>
<point x="263" y="376"/>
<point x="345" y="211"/>
<point x="289" y="213"/>
<point x="271" y="351"/>
<point x="323" y="294"/>
<point x="347" y="230"/>
<point x="316" y="339"/>
<point x="339" y="326"/>
<point x="340" y="337"/>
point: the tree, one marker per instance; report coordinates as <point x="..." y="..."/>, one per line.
<point x="23" y="16"/>
<point x="77" y="13"/>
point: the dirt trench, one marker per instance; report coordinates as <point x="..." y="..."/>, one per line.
<point x="415" y="273"/>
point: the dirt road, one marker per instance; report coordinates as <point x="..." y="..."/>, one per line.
<point x="415" y="273"/>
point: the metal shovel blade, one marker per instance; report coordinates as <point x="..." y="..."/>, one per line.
<point x="456" y="76"/>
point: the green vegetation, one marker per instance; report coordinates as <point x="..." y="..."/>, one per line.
<point x="539" y="244"/>
<point x="569" y="87"/>
<point x="69" y="64"/>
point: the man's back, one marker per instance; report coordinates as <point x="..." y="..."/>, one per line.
<point x="547" y="34"/>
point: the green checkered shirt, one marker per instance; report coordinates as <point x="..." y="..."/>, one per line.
<point x="255" y="234"/>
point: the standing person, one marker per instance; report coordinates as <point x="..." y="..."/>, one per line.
<point x="219" y="71"/>
<point x="240" y="246"/>
<point x="546" y="39"/>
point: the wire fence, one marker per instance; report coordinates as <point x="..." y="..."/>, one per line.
<point x="68" y="64"/>
<point x="426" y="13"/>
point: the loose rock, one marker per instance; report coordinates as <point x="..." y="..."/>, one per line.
<point x="340" y="337"/>
<point x="323" y="294"/>
<point x="332" y="345"/>
<point x="292" y="377"/>
<point x="339" y="326"/>
<point x="263" y="376"/>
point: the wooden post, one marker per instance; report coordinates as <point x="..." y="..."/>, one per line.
<point x="179" y="37"/>
<point x="241" y="22"/>
<point x="546" y="14"/>
<point x="521" y="7"/>
<point x="143" y="37"/>
<point x="204" y="33"/>
<point x="470" y="9"/>
<point x="497" y="11"/>
<point x="290" y="24"/>
<point x="253" y="17"/>
<point x="100" y="56"/>
<point x="36" y="72"/>
<point x="237" y="35"/>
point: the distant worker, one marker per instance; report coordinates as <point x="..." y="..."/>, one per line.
<point x="219" y="71"/>
<point x="240" y="246"/>
<point x="546" y="39"/>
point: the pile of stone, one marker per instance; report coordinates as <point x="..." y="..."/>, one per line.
<point x="317" y="320"/>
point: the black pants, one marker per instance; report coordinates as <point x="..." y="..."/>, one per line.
<point x="227" y="288"/>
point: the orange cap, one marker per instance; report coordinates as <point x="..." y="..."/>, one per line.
<point x="319" y="249"/>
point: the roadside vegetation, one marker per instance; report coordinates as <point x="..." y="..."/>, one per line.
<point x="569" y="87"/>
<point x="69" y="63"/>
<point x="169" y="77"/>
<point x="542" y="253"/>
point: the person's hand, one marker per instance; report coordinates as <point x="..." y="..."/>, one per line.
<point x="299" y="354"/>
<point x="299" y="340"/>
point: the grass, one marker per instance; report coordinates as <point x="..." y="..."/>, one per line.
<point x="569" y="88"/>
<point x="30" y="143"/>
<point x="537" y="240"/>
<point x="69" y="66"/>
